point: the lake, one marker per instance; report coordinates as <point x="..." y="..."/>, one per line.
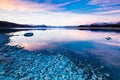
<point x="68" y="54"/>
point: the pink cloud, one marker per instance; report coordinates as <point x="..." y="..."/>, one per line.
<point x="21" y="5"/>
<point x="26" y="5"/>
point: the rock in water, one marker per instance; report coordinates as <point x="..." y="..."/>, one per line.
<point x="28" y="34"/>
<point x="108" y="38"/>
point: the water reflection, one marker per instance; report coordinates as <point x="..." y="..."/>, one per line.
<point x="45" y="38"/>
<point x="89" y="44"/>
<point x="75" y="40"/>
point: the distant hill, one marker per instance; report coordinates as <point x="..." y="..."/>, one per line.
<point x="102" y="25"/>
<point x="5" y="24"/>
<point x="8" y="25"/>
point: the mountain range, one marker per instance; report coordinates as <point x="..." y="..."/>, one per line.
<point x="8" y="25"/>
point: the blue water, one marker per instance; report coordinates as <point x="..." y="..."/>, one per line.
<point x="62" y="54"/>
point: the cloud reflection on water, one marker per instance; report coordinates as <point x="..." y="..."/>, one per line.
<point x="48" y="37"/>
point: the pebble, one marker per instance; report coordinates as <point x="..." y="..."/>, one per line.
<point x="2" y="73"/>
<point x="26" y="66"/>
<point x="38" y="55"/>
<point x="107" y="75"/>
<point x="63" y="76"/>
<point x="6" y="55"/>
<point x="24" y="78"/>
<point x="21" y="73"/>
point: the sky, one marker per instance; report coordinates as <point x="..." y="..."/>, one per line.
<point x="59" y="12"/>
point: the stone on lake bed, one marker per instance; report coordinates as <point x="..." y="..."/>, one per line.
<point x="2" y="73"/>
<point x="28" y="34"/>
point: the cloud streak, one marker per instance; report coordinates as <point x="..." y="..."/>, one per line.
<point x="21" y="5"/>
<point x="56" y="18"/>
<point x="67" y="3"/>
<point x="104" y="2"/>
<point x="60" y="13"/>
<point x="106" y="6"/>
<point x="109" y="12"/>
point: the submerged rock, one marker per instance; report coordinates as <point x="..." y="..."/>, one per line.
<point x="24" y="78"/>
<point x="30" y="66"/>
<point x="3" y="40"/>
<point x="28" y="34"/>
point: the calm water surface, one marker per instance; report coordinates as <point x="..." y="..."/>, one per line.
<point x="89" y="47"/>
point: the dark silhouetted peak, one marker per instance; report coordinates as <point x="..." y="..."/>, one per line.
<point x="5" y="24"/>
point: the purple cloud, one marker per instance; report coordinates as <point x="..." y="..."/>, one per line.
<point x="109" y="12"/>
<point x="106" y="6"/>
<point x="104" y="2"/>
<point x="26" y="5"/>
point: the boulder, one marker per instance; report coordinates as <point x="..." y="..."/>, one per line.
<point x="108" y="38"/>
<point x="28" y="34"/>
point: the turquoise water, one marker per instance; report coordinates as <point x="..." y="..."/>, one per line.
<point x="65" y="55"/>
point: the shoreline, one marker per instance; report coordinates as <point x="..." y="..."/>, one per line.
<point x="100" y="28"/>
<point x="8" y="30"/>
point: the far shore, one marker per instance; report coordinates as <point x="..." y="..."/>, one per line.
<point x="100" y="28"/>
<point x="8" y="30"/>
<point x="9" y="27"/>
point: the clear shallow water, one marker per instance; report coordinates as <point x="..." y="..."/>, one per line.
<point x="42" y="38"/>
<point x="80" y="46"/>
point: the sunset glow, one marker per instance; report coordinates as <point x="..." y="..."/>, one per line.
<point x="59" y="12"/>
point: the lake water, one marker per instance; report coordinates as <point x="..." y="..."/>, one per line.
<point x="81" y="47"/>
